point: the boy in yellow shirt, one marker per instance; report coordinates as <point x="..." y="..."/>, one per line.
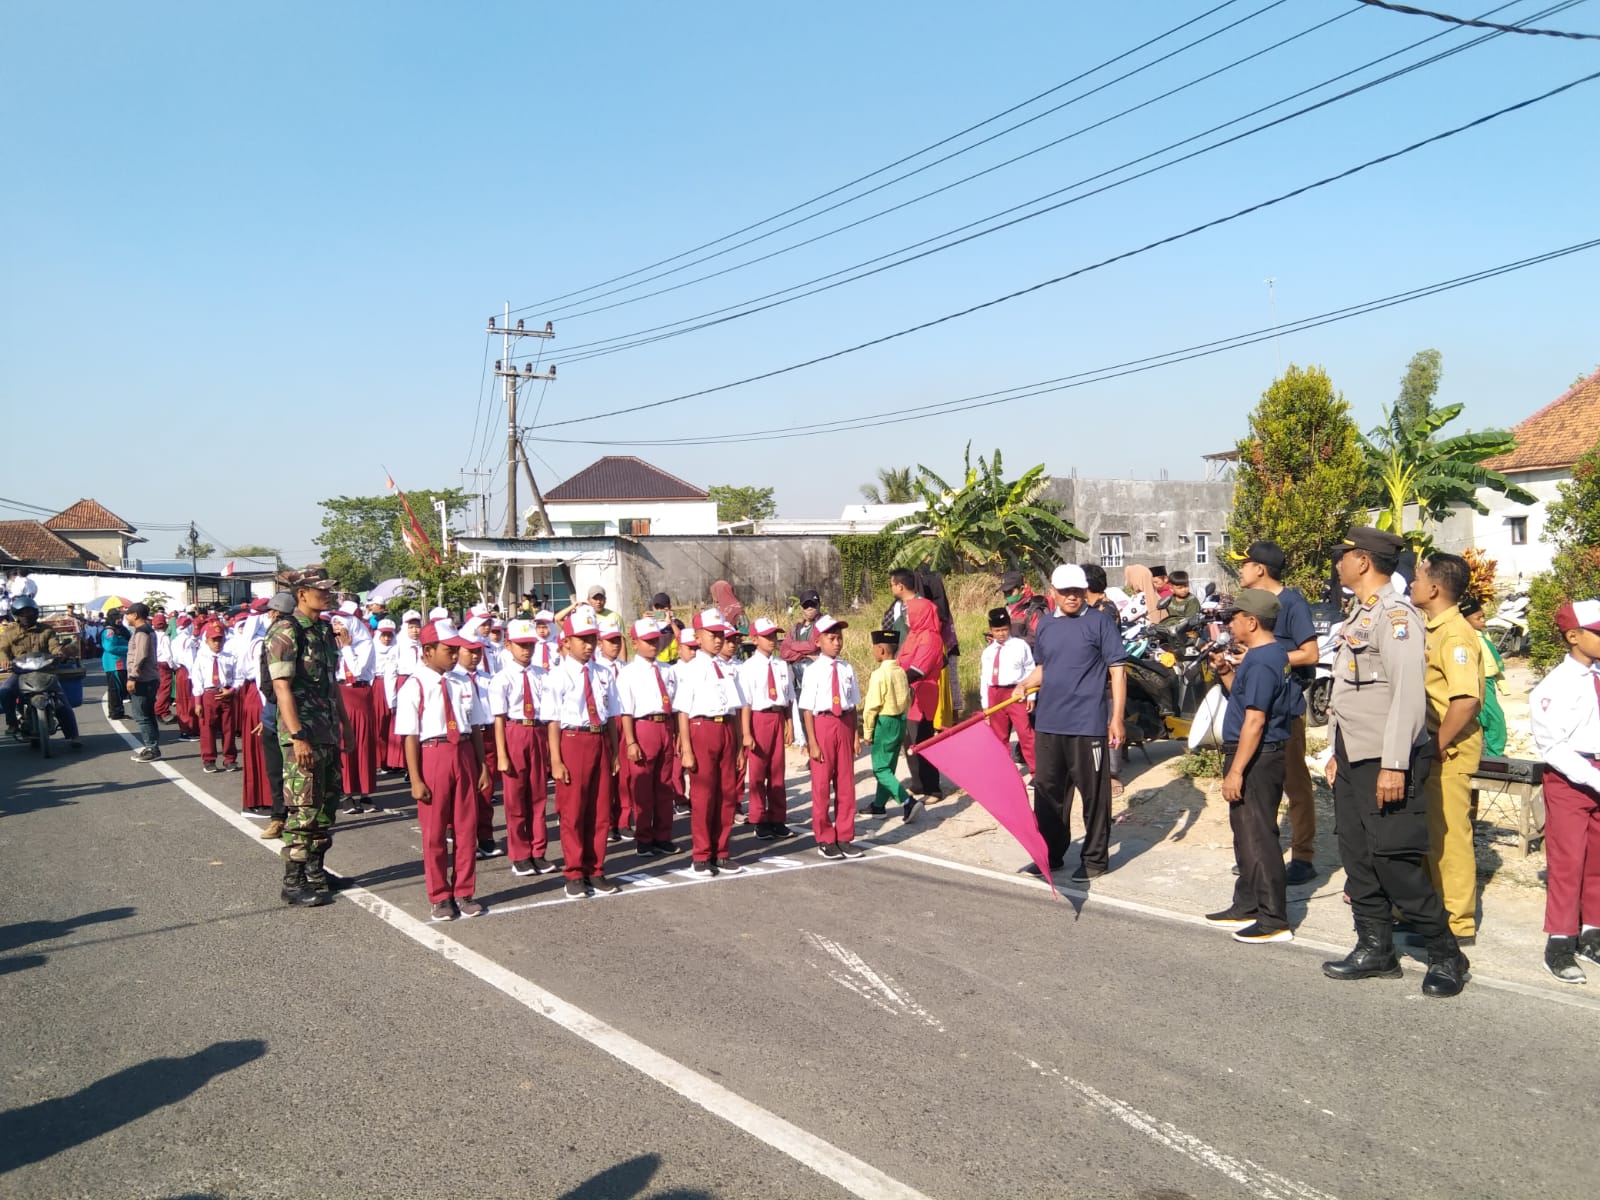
<point x="883" y="723"/>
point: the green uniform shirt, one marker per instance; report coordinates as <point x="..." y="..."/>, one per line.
<point x="311" y="664"/>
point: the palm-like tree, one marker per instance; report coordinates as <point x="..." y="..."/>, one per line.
<point x="989" y="523"/>
<point x="894" y="486"/>
<point x="1407" y="465"/>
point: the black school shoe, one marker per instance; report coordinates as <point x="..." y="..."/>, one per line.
<point x="1588" y="946"/>
<point x="1082" y="873"/>
<point x="764" y="831"/>
<point x="1561" y="960"/>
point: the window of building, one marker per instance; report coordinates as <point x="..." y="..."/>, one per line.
<point x="634" y="527"/>
<point x="1202" y="548"/>
<point x="1227" y="544"/>
<point x="588" y="529"/>
<point x="1111" y="549"/>
<point x="1519" y="530"/>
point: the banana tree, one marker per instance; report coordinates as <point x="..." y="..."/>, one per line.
<point x="1406" y="466"/>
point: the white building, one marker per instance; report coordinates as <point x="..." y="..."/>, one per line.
<point x="1548" y="444"/>
<point x="624" y="496"/>
<point x="856" y="518"/>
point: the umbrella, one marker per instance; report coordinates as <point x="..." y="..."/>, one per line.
<point x="389" y="589"/>
<point x="102" y="604"/>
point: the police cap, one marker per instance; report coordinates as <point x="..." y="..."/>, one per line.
<point x="1374" y="541"/>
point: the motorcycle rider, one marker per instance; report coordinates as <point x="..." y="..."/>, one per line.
<point x="25" y="636"/>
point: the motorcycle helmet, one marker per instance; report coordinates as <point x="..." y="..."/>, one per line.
<point x="22" y="604"/>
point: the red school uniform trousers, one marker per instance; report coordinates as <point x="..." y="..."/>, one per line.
<point x="713" y="784"/>
<point x="359" y="760"/>
<point x="584" y="802"/>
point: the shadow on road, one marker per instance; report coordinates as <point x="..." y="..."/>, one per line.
<point x="40" y="1131"/>
<point x="629" y="1179"/>
<point x="25" y="933"/>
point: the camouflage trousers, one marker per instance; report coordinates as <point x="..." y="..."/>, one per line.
<point x="311" y="797"/>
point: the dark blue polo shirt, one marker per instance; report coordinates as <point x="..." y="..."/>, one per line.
<point x="1294" y="629"/>
<point x="1075" y="653"/>
<point x="1262" y="682"/>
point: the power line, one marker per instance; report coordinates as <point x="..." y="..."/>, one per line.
<point x="1476" y="24"/>
<point x="599" y="348"/>
<point x="1101" y="374"/>
<point x="890" y="166"/>
<point x="1171" y="238"/>
<point x="887" y="183"/>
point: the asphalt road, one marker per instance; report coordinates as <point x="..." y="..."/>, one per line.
<point x="885" y="1027"/>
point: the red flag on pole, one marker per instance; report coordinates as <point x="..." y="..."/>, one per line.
<point x="980" y="764"/>
<point x="228" y="570"/>
<point x="417" y="542"/>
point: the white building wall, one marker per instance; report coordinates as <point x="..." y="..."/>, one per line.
<point x="1517" y="564"/>
<point x="689" y="518"/>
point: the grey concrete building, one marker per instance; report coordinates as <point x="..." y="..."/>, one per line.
<point x="1180" y="524"/>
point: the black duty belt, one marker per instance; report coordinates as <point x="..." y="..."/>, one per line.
<point x="520" y="721"/>
<point x="1232" y="747"/>
<point x="841" y="715"/>
<point x="574" y="731"/>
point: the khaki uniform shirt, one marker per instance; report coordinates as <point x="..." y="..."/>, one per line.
<point x="1455" y="669"/>
<point x="1379" y="706"/>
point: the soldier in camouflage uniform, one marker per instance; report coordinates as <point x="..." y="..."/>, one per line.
<point x="302" y="661"/>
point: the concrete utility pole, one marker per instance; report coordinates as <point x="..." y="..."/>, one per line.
<point x="507" y="370"/>
<point x="194" y="564"/>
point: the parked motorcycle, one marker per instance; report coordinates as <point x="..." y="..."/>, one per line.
<point x="41" y="695"/>
<point x="1508" y="628"/>
<point x="1327" y="619"/>
<point x="1167" y="678"/>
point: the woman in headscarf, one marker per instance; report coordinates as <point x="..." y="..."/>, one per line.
<point x="1137" y="581"/>
<point x="922" y="657"/>
<point x="728" y="605"/>
<point x="930" y="586"/>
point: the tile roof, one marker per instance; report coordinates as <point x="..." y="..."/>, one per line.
<point x="30" y="541"/>
<point x="1558" y="433"/>
<point x="88" y="515"/>
<point x="623" y="477"/>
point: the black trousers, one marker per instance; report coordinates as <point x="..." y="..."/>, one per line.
<point x="924" y="775"/>
<point x="116" y="694"/>
<point x="1385" y="850"/>
<point x="272" y="751"/>
<point x="1063" y="762"/>
<point x="1254" y="820"/>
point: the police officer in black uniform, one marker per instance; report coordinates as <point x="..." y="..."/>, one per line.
<point x="1377" y="721"/>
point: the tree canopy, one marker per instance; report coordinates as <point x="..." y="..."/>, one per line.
<point x="1572" y="526"/>
<point x="736" y="504"/>
<point x="1420" y="384"/>
<point x="989" y="523"/>
<point x="1300" y="475"/>
<point x="894" y="486"/>
<point x="361" y="535"/>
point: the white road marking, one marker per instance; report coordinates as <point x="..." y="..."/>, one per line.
<point x="1261" y="1182"/>
<point x="854" y="1175"/>
<point x="861" y="979"/>
<point x="1166" y="914"/>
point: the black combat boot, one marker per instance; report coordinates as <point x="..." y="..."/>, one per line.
<point x="317" y="879"/>
<point x="295" y="888"/>
<point x="1372" y="958"/>
<point x="1447" y="967"/>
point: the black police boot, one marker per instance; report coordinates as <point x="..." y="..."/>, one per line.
<point x="317" y="878"/>
<point x="295" y="888"/>
<point x="1447" y="967"/>
<point x="1372" y="958"/>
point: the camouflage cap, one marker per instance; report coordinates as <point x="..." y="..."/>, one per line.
<point x="310" y="577"/>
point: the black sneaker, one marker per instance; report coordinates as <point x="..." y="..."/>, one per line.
<point x="209" y="768"/>
<point x="851" y="850"/>
<point x="1588" y="946"/>
<point x="781" y="831"/>
<point x="726" y="866"/>
<point x="1299" y="871"/>
<point x="350" y="805"/>
<point x="490" y="850"/>
<point x="681" y="810"/>
<point x="872" y="810"/>
<point x="443" y="911"/>
<point x="524" y="866"/>
<point x="471" y="907"/>
<point x="230" y="766"/>
<point x="913" y="806"/>
<point x="763" y="831"/>
<point x="541" y="866"/>
<point x="604" y="886"/>
<point x="829" y="850"/>
<point x="1033" y="869"/>
<point x="1561" y="960"/>
<point x="147" y="755"/>
<point x="577" y="889"/>
<point x="1231" y="918"/>
<point x="666" y="847"/>
<point x="613" y="836"/>
<point x="1082" y="873"/>
<point x="646" y="849"/>
<point x="1253" y="933"/>
<point x="705" y="868"/>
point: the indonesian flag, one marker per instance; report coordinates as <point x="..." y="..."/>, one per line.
<point x="228" y="570"/>
<point x="416" y="540"/>
<point x="980" y="763"/>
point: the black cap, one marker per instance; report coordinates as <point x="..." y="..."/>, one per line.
<point x="1374" y="541"/>
<point x="1011" y="581"/>
<point x="999" y="617"/>
<point x="1266" y="554"/>
<point x="885" y="637"/>
<point x="661" y="600"/>
<point x="810" y="600"/>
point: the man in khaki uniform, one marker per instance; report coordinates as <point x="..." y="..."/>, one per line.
<point x="1455" y="694"/>
<point x="1377" y="721"/>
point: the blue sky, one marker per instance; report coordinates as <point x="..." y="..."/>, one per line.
<point x="252" y="249"/>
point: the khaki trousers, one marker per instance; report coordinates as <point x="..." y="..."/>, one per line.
<point x="1452" y="863"/>
<point x="1302" y="799"/>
